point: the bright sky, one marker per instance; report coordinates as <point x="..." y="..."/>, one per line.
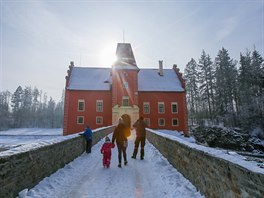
<point x="40" y="38"/>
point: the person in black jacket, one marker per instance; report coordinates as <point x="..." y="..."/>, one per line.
<point x="121" y="141"/>
<point x="140" y="137"/>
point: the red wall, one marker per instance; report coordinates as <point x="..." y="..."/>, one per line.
<point x="167" y="97"/>
<point x="90" y="97"/>
<point x="119" y="77"/>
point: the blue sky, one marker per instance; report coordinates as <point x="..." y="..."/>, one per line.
<point x="40" y="38"/>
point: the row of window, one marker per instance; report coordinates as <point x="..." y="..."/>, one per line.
<point x="161" y="121"/>
<point x="161" y="107"/>
<point x="99" y="121"/>
<point x="146" y="106"/>
<point x="99" y="105"/>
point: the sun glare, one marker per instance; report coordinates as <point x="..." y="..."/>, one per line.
<point x="108" y="56"/>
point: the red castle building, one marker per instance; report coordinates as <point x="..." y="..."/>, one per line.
<point x="100" y="96"/>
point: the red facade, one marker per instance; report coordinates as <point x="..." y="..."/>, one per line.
<point x="98" y="104"/>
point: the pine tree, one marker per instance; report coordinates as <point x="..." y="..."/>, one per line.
<point x="16" y="107"/>
<point x="206" y="88"/>
<point x="191" y="76"/>
<point x="4" y="110"/>
<point x="26" y="107"/>
<point x="251" y="80"/>
<point x="225" y="97"/>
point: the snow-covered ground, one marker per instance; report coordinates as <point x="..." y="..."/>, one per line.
<point x="17" y="137"/>
<point x="152" y="177"/>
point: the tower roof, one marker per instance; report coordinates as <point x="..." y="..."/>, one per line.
<point x="125" y="56"/>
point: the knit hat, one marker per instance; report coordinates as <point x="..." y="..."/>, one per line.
<point x="107" y="139"/>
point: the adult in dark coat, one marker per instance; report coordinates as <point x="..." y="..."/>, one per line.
<point x="140" y="126"/>
<point x="88" y="134"/>
<point x="121" y="142"/>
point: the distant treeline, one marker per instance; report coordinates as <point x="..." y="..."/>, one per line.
<point x="226" y="91"/>
<point x="30" y="108"/>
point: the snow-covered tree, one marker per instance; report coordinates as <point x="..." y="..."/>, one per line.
<point x="191" y="76"/>
<point x="251" y="87"/>
<point x="16" y="107"/>
<point x="4" y="110"/>
<point x="225" y="87"/>
<point x="206" y="81"/>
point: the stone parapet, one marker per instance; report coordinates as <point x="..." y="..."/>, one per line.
<point x="213" y="176"/>
<point x="28" y="165"/>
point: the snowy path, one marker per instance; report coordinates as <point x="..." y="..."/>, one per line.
<point x="85" y="177"/>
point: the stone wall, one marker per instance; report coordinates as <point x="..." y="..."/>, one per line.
<point x="28" y="167"/>
<point x="213" y="176"/>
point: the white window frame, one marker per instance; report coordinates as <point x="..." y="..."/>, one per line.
<point x="161" y="119"/>
<point x="175" y="119"/>
<point x="174" y="103"/>
<point x="146" y="103"/>
<point x="161" y="103"/>
<point x="78" y="117"/>
<point x="147" y="121"/>
<point x="98" y="107"/>
<point x="125" y="84"/>
<point x="79" y="102"/>
<point x="125" y="98"/>
<point x="99" y="117"/>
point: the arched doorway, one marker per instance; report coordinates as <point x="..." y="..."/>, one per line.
<point x="128" y="112"/>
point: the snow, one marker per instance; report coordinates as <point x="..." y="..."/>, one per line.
<point x="220" y="153"/>
<point x="18" y="143"/>
<point x="150" y="80"/>
<point x="32" y="131"/>
<point x="23" y="136"/>
<point x="152" y="177"/>
<point x="89" y="78"/>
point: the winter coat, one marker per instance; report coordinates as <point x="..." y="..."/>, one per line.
<point x="119" y="134"/>
<point x="106" y="149"/>
<point x="140" y="126"/>
<point x="88" y="134"/>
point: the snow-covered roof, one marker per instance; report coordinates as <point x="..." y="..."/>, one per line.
<point x="150" y="80"/>
<point x="90" y="78"/>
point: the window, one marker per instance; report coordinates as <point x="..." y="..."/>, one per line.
<point x="80" y="120"/>
<point x="174" y="122"/>
<point x="80" y="105"/>
<point x="99" y="106"/>
<point x="146" y="109"/>
<point x="125" y="101"/>
<point x="147" y="121"/>
<point x="99" y="120"/>
<point x="125" y="85"/>
<point x="161" y="108"/>
<point x="174" y="107"/>
<point x="161" y="122"/>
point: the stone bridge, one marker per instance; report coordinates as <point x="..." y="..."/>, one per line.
<point x="212" y="176"/>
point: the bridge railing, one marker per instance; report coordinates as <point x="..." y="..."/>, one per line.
<point x="212" y="175"/>
<point x="27" y="165"/>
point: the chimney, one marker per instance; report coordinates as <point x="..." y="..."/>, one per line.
<point x="160" y="67"/>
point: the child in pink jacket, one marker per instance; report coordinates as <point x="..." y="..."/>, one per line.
<point x="106" y="151"/>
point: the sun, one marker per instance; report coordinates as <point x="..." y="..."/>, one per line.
<point x="108" y="57"/>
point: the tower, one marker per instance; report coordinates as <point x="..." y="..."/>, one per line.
<point x="125" y="84"/>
